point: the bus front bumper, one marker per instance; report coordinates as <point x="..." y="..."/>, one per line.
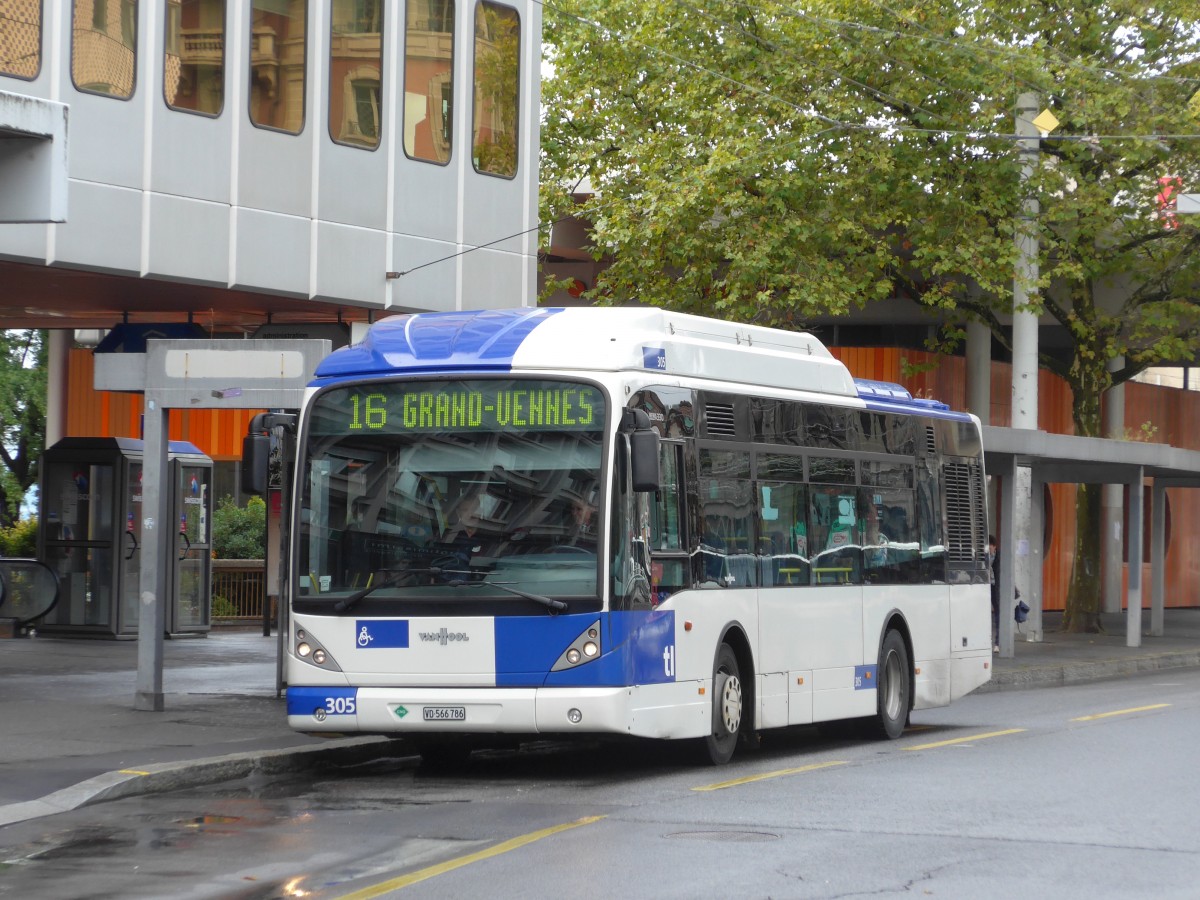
<point x="393" y="710"/>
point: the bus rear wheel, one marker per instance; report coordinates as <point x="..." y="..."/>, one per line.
<point x="726" y="708"/>
<point x="893" y="688"/>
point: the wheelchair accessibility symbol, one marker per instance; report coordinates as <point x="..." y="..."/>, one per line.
<point x="364" y="638"/>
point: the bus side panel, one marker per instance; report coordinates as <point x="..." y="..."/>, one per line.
<point x="809" y="634"/>
<point x="971" y="639"/>
<point x="701" y="617"/>
<point x="926" y="610"/>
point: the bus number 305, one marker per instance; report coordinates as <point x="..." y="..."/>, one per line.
<point x="340" y="706"/>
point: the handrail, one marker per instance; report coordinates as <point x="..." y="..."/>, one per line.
<point x="31" y="589"/>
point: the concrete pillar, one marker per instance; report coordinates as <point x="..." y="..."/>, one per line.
<point x="979" y="371"/>
<point x="57" y="362"/>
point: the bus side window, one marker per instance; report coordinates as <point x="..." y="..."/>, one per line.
<point x="667" y="540"/>
<point x="783" y="533"/>
<point x="834" y="535"/>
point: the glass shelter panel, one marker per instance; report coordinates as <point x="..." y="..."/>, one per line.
<point x="131" y="549"/>
<point x="78" y="506"/>
<point x="193" y="503"/>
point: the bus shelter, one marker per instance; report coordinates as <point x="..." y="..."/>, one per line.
<point x="1066" y="459"/>
<point x="90" y="534"/>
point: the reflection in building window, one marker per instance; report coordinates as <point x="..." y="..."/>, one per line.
<point x="355" y="64"/>
<point x="497" y="61"/>
<point x="103" y="46"/>
<point x="20" y="38"/>
<point x="194" y="56"/>
<point x="278" y="63"/>
<point x="428" y="79"/>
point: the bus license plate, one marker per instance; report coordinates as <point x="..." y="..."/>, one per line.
<point x="445" y="714"/>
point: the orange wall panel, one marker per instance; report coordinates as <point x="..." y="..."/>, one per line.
<point x="92" y="413"/>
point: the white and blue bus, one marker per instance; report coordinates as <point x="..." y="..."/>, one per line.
<point x="563" y="522"/>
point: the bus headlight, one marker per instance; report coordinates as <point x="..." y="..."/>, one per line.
<point x="583" y="649"/>
<point x="309" y="649"/>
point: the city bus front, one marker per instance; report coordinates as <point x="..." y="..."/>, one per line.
<point x="452" y="563"/>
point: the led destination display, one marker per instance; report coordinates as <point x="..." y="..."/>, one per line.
<point x="460" y="406"/>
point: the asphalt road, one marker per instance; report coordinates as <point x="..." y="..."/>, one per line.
<point x="1085" y="791"/>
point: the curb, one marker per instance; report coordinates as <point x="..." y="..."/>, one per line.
<point x="1062" y="674"/>
<point x="172" y="776"/>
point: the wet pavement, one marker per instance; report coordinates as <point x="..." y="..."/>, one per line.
<point x="69" y="734"/>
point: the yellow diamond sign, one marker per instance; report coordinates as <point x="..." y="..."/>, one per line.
<point x="1046" y="122"/>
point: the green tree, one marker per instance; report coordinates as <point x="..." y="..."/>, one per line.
<point x="22" y="417"/>
<point x="762" y="161"/>
<point x="240" y="532"/>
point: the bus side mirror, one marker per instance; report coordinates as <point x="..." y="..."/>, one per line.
<point x="643" y="450"/>
<point x="256" y="458"/>
<point x="644" y="460"/>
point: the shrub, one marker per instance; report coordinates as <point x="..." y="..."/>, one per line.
<point x="240" y="532"/>
<point x="20" y="539"/>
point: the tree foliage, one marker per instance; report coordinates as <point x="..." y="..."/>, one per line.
<point x="240" y="532"/>
<point x="771" y="162"/>
<point x="22" y="417"/>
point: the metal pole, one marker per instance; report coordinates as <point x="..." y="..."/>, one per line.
<point x="1133" y="616"/>
<point x="156" y="549"/>
<point x="1025" y="322"/>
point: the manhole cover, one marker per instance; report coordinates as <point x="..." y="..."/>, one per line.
<point x="740" y="837"/>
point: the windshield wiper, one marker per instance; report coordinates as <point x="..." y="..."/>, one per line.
<point x="347" y="602"/>
<point x="399" y="575"/>
<point x="548" y="602"/>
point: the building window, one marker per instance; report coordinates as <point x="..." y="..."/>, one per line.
<point x="278" y="63"/>
<point x="497" y="89"/>
<point x="355" y="67"/>
<point x="104" y="46"/>
<point x="428" y="80"/>
<point x="194" y="56"/>
<point x="21" y="38"/>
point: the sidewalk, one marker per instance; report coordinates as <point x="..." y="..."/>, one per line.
<point x="70" y="735"/>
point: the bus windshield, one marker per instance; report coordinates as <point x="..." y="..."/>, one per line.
<point x="469" y="494"/>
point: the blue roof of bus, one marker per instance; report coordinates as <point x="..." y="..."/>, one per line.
<point x="641" y="338"/>
<point x="477" y="340"/>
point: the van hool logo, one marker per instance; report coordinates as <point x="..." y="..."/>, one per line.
<point x="443" y="637"/>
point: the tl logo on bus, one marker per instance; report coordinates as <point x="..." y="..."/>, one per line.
<point x="668" y="657"/>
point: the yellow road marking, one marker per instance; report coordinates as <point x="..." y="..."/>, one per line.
<point x="966" y="740"/>
<point x="765" y="775"/>
<point x="1120" y="712"/>
<point x="133" y="772"/>
<point x="404" y="881"/>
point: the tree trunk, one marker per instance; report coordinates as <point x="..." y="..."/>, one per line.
<point x="1082" y="612"/>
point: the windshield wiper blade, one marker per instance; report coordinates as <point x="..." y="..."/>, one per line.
<point x="347" y="602"/>
<point x="399" y="575"/>
<point x="549" y="602"/>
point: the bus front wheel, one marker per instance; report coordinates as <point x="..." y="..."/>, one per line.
<point x="893" y="688"/>
<point x="726" y="708"/>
